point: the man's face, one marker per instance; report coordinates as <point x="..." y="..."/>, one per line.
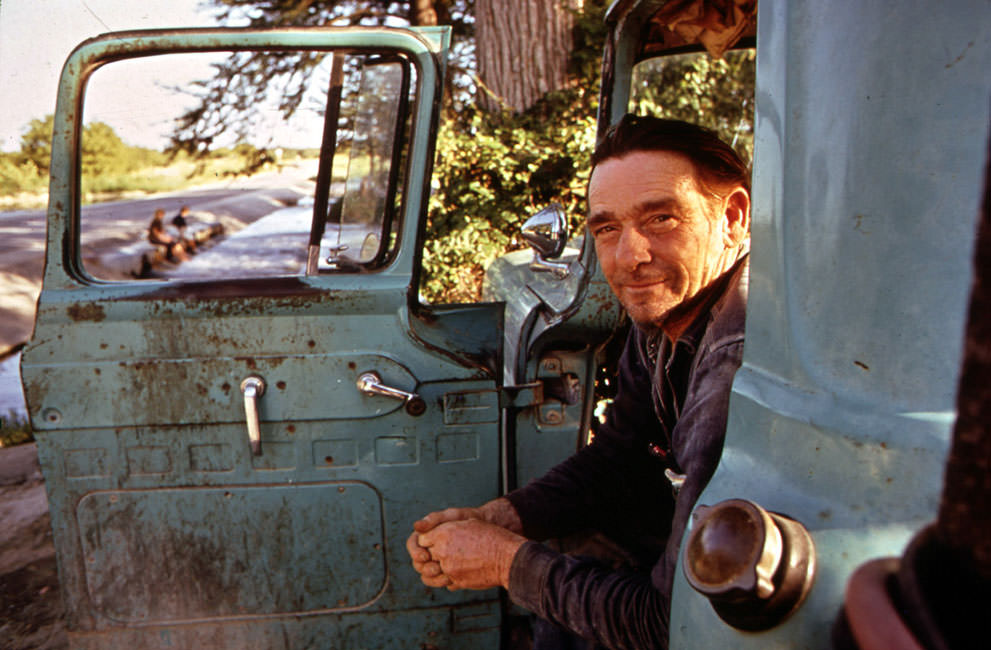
<point x="659" y="235"/>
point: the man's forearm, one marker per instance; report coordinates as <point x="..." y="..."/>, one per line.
<point x="502" y="513"/>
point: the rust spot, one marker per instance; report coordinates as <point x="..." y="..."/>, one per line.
<point x="96" y="371"/>
<point x="103" y="346"/>
<point x="201" y="389"/>
<point x="91" y="312"/>
<point x="311" y="343"/>
<point x="329" y="460"/>
<point x="291" y="428"/>
<point x="889" y="479"/>
<point x="226" y="388"/>
<point x="281" y="385"/>
<point x="351" y="365"/>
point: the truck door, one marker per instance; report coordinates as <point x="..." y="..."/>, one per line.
<point x="236" y="447"/>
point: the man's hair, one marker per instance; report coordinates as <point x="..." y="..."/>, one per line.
<point x="715" y="162"/>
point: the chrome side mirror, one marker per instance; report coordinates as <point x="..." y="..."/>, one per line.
<point x="547" y="234"/>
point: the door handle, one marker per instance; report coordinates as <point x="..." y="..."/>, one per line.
<point x="252" y="388"/>
<point x="370" y="383"/>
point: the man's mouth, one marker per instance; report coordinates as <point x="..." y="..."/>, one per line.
<point x="643" y="283"/>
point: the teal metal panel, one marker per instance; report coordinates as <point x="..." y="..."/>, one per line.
<point x="239" y="546"/>
<point x="872" y="124"/>
<point x="169" y="531"/>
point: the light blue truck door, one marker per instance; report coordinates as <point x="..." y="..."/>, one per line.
<point x="870" y="143"/>
<point x="172" y="527"/>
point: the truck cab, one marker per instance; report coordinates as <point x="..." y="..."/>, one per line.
<point x="235" y="452"/>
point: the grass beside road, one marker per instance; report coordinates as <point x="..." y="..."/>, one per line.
<point x="14" y="430"/>
<point x="31" y="193"/>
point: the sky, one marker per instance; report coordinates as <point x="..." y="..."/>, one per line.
<point x="36" y="36"/>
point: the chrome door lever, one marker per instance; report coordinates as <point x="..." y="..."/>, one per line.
<point x="370" y="383"/>
<point x="253" y="387"/>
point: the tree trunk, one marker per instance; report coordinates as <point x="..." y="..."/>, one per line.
<point x="522" y="48"/>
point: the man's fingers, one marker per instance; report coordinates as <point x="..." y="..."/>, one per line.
<point x="417" y="553"/>
<point x="431" y="570"/>
<point x="436" y="581"/>
<point x="439" y="517"/>
<point x="436" y="518"/>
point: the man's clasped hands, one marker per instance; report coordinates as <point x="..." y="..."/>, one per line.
<point x="467" y="548"/>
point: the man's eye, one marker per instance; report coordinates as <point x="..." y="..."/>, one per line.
<point x="603" y="230"/>
<point x="664" y="221"/>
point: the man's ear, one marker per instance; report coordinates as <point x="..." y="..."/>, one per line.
<point x="736" y="217"/>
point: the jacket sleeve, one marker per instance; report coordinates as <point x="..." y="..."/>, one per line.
<point x="613" y="608"/>
<point x="609" y="477"/>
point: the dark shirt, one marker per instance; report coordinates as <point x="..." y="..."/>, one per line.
<point x="670" y="413"/>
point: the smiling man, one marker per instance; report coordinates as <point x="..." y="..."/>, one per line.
<point x="669" y="211"/>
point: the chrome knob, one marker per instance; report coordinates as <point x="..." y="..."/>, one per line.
<point x="754" y="566"/>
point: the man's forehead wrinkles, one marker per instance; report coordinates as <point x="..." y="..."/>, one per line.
<point x="652" y="204"/>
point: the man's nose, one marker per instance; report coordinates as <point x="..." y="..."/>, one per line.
<point x="633" y="249"/>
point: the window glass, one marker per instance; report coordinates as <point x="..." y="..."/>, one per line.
<point x="715" y="93"/>
<point x="219" y="165"/>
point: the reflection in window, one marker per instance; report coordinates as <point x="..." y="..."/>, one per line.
<point x="242" y="204"/>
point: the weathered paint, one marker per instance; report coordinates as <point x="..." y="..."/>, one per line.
<point x="870" y="142"/>
<point x="169" y="532"/>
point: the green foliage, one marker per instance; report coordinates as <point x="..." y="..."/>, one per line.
<point x="18" y="174"/>
<point x="103" y="152"/>
<point x="492" y="172"/>
<point x="107" y="165"/>
<point x="716" y="93"/>
<point x="36" y="143"/>
<point x="14" y="430"/>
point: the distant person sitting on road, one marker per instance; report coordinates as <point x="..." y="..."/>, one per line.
<point x="174" y="249"/>
<point x="181" y="224"/>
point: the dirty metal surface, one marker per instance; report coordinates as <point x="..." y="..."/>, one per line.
<point x="169" y="531"/>
<point x="866" y="189"/>
<point x="249" y="551"/>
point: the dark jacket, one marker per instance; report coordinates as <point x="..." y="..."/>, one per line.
<point x="669" y="413"/>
